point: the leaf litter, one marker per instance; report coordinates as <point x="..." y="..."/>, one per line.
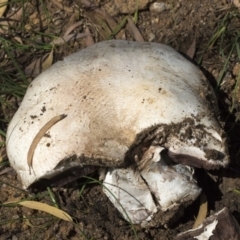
<point x="44" y="208"/>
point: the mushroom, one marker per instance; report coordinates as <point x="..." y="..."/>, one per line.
<point x="219" y="226"/>
<point x="140" y="111"/>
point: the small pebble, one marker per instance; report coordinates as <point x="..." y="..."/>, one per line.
<point x="15" y="217"/>
<point x="151" y="37"/>
<point x="236" y="69"/>
<point x="159" y="7"/>
<point x="14" y="237"/>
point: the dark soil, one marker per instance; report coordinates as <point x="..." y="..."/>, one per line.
<point x="94" y="215"/>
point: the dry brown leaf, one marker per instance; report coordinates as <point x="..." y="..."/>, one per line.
<point x="4" y="60"/>
<point x="236" y="3"/>
<point x="6" y="170"/>
<point x="236" y="69"/>
<point x="34" y="68"/>
<point x="192" y="49"/>
<point x="36" y="19"/>
<point x="48" y="61"/>
<point x="202" y="213"/>
<point x="61" y="6"/>
<point x="17" y="14"/>
<point x="109" y="20"/>
<point x="87" y="3"/>
<point x="3" y="155"/>
<point x="39" y="64"/>
<point x="101" y="25"/>
<point x="89" y="39"/>
<point x="62" y="40"/>
<point x="12" y="18"/>
<point x="19" y="40"/>
<point x="72" y="27"/>
<point x="47" y="208"/>
<point x="3" y="5"/>
<point x="134" y="30"/>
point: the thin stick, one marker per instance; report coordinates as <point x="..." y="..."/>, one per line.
<point x="39" y="136"/>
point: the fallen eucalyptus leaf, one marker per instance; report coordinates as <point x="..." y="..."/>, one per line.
<point x="89" y="39"/>
<point x="3" y="5"/>
<point x="48" y="61"/>
<point x="47" y="208"/>
<point x="192" y="49"/>
<point x="202" y="213"/>
<point x="134" y="30"/>
<point x="67" y="38"/>
<point x="72" y="27"/>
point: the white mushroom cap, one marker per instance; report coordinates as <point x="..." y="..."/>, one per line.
<point x="110" y="92"/>
<point x="138" y="195"/>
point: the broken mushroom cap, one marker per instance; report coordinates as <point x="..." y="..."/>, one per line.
<point x="219" y="226"/>
<point x="96" y="106"/>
